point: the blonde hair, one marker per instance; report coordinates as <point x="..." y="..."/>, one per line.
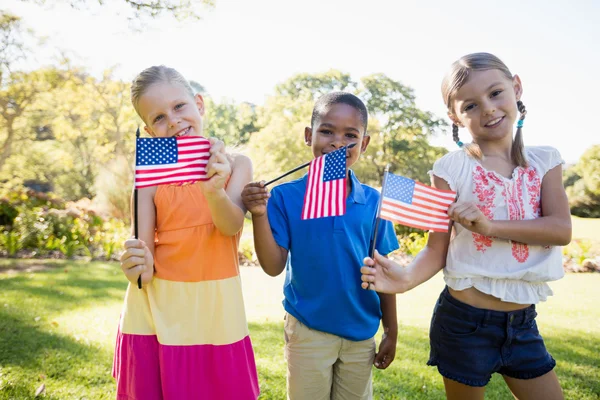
<point x="458" y="76"/>
<point x="153" y="75"/>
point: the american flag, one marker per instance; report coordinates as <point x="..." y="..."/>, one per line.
<point x="326" y="186"/>
<point x="413" y="204"/>
<point x="160" y="161"/>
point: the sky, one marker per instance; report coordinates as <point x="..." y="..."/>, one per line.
<point x="242" y="48"/>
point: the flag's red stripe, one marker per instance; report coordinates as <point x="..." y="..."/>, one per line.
<point x="423" y="227"/>
<point x="327" y="202"/>
<point x="434" y="196"/>
<point x="413" y="211"/>
<point x="192" y="141"/>
<point x="425" y="206"/>
<point x="317" y="185"/>
<point x="432" y="190"/>
<point x="309" y="187"/>
<point x="199" y="166"/>
<point x="323" y="198"/>
<point x="201" y="155"/>
<point x="439" y="203"/>
<point x="158" y="182"/>
<point x="399" y="212"/>
<point x="174" y="175"/>
<point x="343" y="197"/>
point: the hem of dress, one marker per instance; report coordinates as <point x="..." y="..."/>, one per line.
<point x="446" y="374"/>
<point x="532" y="374"/>
<point x="541" y="293"/>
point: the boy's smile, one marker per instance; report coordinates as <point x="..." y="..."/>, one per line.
<point x="341" y="125"/>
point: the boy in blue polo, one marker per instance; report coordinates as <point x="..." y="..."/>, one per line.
<point x="330" y="321"/>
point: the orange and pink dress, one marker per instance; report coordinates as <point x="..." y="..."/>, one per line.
<point x="185" y="335"/>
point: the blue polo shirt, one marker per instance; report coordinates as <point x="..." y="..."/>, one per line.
<point x="322" y="282"/>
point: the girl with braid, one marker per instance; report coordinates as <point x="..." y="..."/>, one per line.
<point x="503" y="247"/>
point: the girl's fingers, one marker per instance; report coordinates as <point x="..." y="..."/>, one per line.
<point x="216" y="145"/>
<point x="222" y="169"/>
<point x="133" y="262"/>
<point x="134" y="243"/>
<point x="132" y="252"/>
<point x="382" y="261"/>
<point x="222" y="158"/>
<point x="365" y="285"/>
<point x="367" y="271"/>
<point x="367" y="278"/>
<point x="472" y="215"/>
<point x="133" y="273"/>
<point x="368" y="261"/>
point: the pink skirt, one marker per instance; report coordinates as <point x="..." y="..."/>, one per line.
<point x="179" y="340"/>
<point x="147" y="370"/>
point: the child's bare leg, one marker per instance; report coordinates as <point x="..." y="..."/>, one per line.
<point x="545" y="387"/>
<point x="459" y="391"/>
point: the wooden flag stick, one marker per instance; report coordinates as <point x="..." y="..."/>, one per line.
<point x="298" y="168"/>
<point x="135" y="209"/>
<point x="378" y="219"/>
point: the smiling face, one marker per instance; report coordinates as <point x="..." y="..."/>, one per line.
<point x="169" y="110"/>
<point x="337" y="126"/>
<point x="487" y="105"/>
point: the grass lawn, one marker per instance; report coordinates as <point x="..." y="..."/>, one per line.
<point x="58" y="323"/>
<point x="586" y="228"/>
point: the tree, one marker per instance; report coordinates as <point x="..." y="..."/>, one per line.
<point x="404" y="129"/>
<point x="279" y="145"/>
<point x="12" y="48"/>
<point x="582" y="182"/>
<point x="399" y="130"/>
<point x="17" y="95"/>
<point x="141" y="9"/>
<point x="230" y="122"/>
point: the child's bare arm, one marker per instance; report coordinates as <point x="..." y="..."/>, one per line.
<point x="389" y="319"/>
<point x="138" y="257"/>
<point x="553" y="228"/>
<point x="226" y="207"/>
<point x="271" y="256"/>
<point x="386" y="276"/>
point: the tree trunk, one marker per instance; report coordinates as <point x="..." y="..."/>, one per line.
<point x="7" y="145"/>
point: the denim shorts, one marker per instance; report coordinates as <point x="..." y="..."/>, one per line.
<point x="469" y="344"/>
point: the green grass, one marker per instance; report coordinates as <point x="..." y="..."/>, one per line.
<point x="58" y="325"/>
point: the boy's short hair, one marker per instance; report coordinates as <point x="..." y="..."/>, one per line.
<point x="332" y="98"/>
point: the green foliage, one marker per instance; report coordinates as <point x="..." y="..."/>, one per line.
<point x="113" y="188"/>
<point x="582" y="182"/>
<point x="11" y="242"/>
<point x="70" y="229"/>
<point x="246" y="251"/>
<point x="8" y="212"/>
<point x="230" y="122"/>
<point x="579" y="249"/>
<point x="413" y="243"/>
<point x="399" y="130"/>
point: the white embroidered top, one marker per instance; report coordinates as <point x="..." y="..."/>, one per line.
<point x="512" y="271"/>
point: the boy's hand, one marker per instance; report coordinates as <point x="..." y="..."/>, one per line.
<point x="387" y="351"/>
<point x="137" y="259"/>
<point x="471" y="217"/>
<point x="383" y="275"/>
<point x="254" y="197"/>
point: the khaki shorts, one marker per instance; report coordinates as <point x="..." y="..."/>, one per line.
<point x="322" y="366"/>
